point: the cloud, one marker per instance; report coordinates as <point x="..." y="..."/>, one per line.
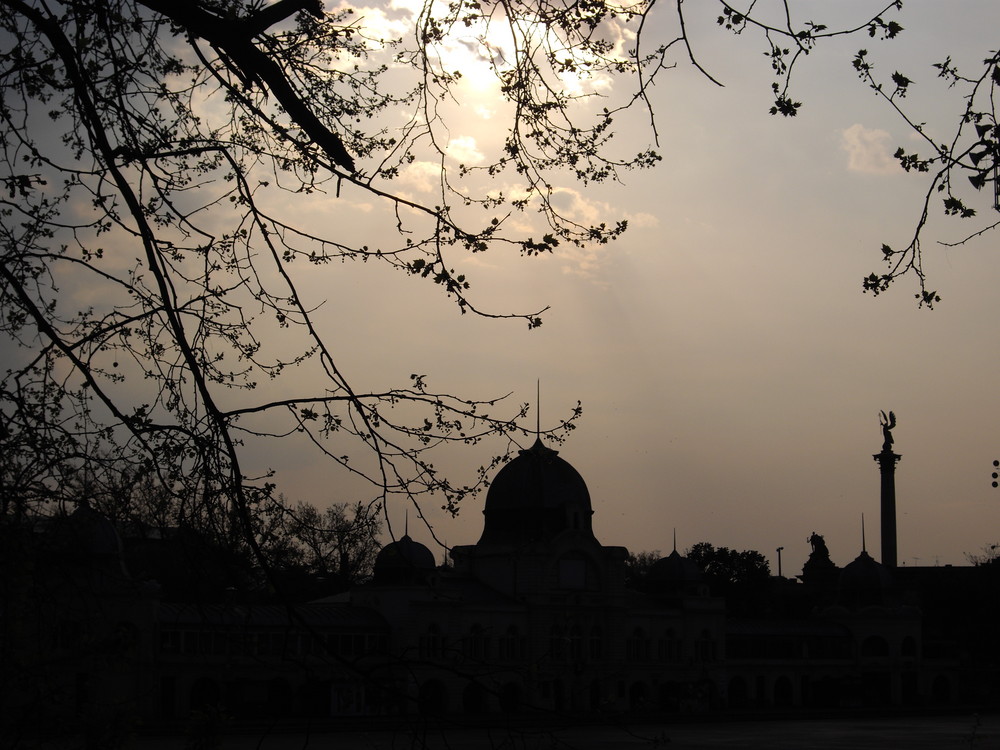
<point x="422" y="176"/>
<point x="868" y="150"/>
<point x="485" y="112"/>
<point x="464" y="150"/>
<point x="642" y="220"/>
<point x="378" y="24"/>
<point x="585" y="261"/>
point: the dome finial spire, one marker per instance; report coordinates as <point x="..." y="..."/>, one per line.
<point x="538" y="409"/>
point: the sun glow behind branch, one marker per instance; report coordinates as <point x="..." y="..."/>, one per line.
<point x="577" y="53"/>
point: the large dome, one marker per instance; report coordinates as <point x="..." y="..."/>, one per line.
<point x="534" y="497"/>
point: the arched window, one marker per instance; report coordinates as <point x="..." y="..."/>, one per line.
<point x="205" y="694"/>
<point x="432" y="642"/>
<point x="474" y="698"/>
<point x="638" y="697"/>
<point x="637" y="646"/>
<point x="596" y="696"/>
<point x="668" y="649"/>
<point x="510" y="697"/>
<point x="705" y="647"/>
<point x="874" y="647"/>
<point x="572" y="572"/>
<point x="279" y="697"/>
<point x="575" y="644"/>
<point x="575" y="571"/>
<point x="557" y="643"/>
<point x="596" y="643"/>
<point x="477" y="643"/>
<point x="783" y="695"/>
<point x="433" y="698"/>
<point x="511" y="645"/>
<point x="941" y="690"/>
<point x="739" y="693"/>
<point x="126" y="639"/>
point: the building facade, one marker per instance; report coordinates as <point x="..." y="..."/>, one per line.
<point x="536" y="618"/>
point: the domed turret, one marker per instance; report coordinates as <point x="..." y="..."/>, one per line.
<point x="87" y="544"/>
<point x="676" y="574"/>
<point x="675" y="568"/>
<point x="403" y="562"/>
<point x="865" y="581"/>
<point x="536" y="496"/>
<point x="87" y="537"/>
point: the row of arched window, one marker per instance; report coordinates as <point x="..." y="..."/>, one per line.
<point x="478" y="644"/>
<point x="244" y="642"/>
<point x="836" y="689"/>
<point x="792" y="647"/>
<point x="571" y="643"/>
<point x="669" y="647"/>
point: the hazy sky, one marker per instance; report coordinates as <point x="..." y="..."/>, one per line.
<point x="730" y="368"/>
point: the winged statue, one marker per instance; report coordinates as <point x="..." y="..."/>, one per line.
<point x="887" y="422"/>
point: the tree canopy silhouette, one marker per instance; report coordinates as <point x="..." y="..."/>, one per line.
<point x="726" y="568"/>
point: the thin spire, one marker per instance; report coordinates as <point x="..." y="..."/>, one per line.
<point x="864" y="546"/>
<point x="406" y="523"/>
<point x="675" y="538"/>
<point x="538" y="409"/>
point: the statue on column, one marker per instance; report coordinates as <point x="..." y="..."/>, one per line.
<point x="887" y="422"/>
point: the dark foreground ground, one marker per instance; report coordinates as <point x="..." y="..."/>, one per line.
<point x="910" y="733"/>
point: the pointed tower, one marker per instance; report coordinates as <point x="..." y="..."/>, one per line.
<point x="887" y="461"/>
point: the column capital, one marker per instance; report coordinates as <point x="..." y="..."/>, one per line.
<point x="887" y="459"/>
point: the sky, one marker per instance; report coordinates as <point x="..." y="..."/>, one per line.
<point x="730" y="368"/>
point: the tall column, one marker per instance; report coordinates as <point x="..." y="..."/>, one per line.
<point x="887" y="461"/>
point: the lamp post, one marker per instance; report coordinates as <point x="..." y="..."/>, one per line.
<point x="779" y="560"/>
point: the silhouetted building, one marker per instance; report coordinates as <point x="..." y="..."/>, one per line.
<point x="534" y="618"/>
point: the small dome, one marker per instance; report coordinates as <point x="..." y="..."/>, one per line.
<point x="403" y="561"/>
<point x="865" y="581"/>
<point x="534" y="497"/>
<point x="675" y="574"/>
<point x="675" y="569"/>
<point x="87" y="534"/>
<point x="96" y="536"/>
<point x="88" y="540"/>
